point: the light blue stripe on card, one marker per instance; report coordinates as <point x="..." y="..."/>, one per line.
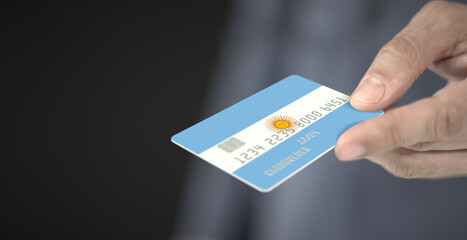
<point x="232" y="120"/>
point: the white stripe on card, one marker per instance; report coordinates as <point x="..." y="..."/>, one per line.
<point x="227" y="154"/>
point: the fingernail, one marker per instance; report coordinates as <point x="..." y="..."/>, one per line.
<point x="371" y="91"/>
<point x="352" y="152"/>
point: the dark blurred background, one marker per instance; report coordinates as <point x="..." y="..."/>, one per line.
<point x="91" y="93"/>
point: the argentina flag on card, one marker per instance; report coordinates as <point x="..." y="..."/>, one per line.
<point x="270" y="136"/>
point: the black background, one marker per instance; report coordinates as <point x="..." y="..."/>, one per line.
<point x="91" y="93"/>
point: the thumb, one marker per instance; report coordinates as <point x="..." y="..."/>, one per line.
<point x="429" y="36"/>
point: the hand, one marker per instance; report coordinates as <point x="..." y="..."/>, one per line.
<point x="427" y="138"/>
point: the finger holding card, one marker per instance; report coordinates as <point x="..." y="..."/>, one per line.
<point x="428" y="138"/>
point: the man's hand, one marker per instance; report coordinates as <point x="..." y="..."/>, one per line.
<point x="428" y="138"/>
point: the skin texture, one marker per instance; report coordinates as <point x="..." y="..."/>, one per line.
<point x="427" y="138"/>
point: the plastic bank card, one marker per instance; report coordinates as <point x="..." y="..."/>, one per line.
<point x="270" y="136"/>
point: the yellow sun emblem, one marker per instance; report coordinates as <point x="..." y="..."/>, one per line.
<point x="280" y="123"/>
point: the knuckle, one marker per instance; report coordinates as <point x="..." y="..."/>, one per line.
<point x="441" y="8"/>
<point x="422" y="146"/>
<point x="401" y="49"/>
<point x="403" y="166"/>
<point x="435" y="5"/>
<point x="448" y="120"/>
<point x="396" y="137"/>
<point x="462" y="62"/>
<point x="443" y="13"/>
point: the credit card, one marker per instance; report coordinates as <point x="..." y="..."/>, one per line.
<point x="270" y="136"/>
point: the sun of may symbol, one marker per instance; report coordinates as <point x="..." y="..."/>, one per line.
<point x="280" y="123"/>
